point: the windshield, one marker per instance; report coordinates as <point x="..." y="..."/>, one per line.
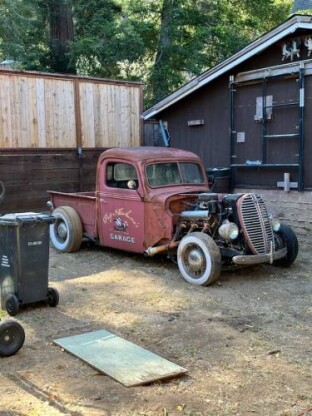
<point x="174" y="173"/>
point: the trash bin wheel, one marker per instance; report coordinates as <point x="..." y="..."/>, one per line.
<point x="53" y="297"/>
<point x="12" y="305"/>
<point x="12" y="337"/>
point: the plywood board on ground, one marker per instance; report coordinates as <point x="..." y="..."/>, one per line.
<point x="122" y="360"/>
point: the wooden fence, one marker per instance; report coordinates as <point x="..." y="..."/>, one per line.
<point x="54" y="111"/>
<point x="53" y="129"/>
<point x="28" y="174"/>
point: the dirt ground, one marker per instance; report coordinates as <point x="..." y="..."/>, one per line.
<point x="245" y="341"/>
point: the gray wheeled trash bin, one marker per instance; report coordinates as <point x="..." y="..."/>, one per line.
<point x="24" y="261"/>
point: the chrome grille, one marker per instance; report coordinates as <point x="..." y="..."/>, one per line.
<point x="256" y="223"/>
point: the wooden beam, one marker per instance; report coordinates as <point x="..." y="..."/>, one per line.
<point x="274" y="71"/>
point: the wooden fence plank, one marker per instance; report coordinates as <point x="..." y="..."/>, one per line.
<point x="87" y="115"/>
<point x="110" y="114"/>
<point x="40" y="94"/>
<point x="15" y="112"/>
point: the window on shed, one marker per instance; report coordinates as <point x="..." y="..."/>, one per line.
<point x="264" y="107"/>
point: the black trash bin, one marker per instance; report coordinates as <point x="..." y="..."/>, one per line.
<point x="219" y="179"/>
<point x="24" y="261"/>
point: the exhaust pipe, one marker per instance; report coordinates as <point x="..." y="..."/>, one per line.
<point x="152" y="251"/>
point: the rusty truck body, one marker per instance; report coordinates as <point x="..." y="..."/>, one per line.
<point x="156" y="200"/>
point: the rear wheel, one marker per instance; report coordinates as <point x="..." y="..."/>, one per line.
<point x="286" y="237"/>
<point x="66" y="231"/>
<point x="12" y="337"/>
<point x="199" y="259"/>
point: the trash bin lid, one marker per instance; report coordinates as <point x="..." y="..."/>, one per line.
<point x="23" y="217"/>
<point x="218" y="172"/>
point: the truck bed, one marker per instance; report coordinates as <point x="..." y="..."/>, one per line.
<point x="84" y="203"/>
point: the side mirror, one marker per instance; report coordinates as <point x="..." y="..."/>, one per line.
<point x="131" y="184"/>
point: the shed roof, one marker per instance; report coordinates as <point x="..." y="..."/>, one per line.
<point x="294" y="23"/>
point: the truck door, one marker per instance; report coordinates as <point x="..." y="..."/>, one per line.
<point x="121" y="208"/>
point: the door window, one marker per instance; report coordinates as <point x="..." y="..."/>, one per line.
<point x="121" y="175"/>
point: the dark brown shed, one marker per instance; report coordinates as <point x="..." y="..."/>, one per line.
<point x="250" y="113"/>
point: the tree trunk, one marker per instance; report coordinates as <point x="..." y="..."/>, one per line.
<point x="160" y="78"/>
<point x="61" y="32"/>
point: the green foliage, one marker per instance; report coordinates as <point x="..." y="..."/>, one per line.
<point x="189" y="36"/>
<point x="21" y="33"/>
<point x="162" y="42"/>
<point x="104" y="39"/>
<point x="180" y="50"/>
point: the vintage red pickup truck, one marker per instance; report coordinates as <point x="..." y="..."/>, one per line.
<point x="154" y="200"/>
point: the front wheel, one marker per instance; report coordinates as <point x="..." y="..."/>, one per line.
<point x="199" y="259"/>
<point x="66" y="231"/>
<point x="286" y="237"/>
<point x="12" y="337"/>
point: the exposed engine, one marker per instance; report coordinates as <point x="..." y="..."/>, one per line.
<point x="238" y="223"/>
<point x="213" y="230"/>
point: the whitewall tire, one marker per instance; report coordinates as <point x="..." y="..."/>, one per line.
<point x="199" y="259"/>
<point x="66" y="231"/>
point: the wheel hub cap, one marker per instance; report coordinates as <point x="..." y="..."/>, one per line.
<point x="62" y="230"/>
<point x="195" y="259"/>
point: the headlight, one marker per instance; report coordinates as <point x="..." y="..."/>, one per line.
<point x="276" y="225"/>
<point x="228" y="231"/>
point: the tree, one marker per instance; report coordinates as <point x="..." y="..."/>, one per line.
<point x="162" y="42"/>
<point x="196" y="34"/>
<point x="106" y="41"/>
<point x="21" y="32"/>
<point x="186" y="31"/>
<point x="36" y="34"/>
<point x="60" y="34"/>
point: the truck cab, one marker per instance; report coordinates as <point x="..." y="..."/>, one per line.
<point x="133" y="189"/>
